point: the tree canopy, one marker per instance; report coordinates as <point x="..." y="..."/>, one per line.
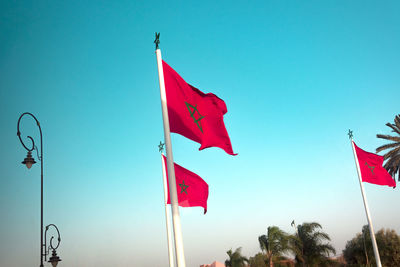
<point x="274" y="244"/>
<point x="308" y="245"/>
<point x="359" y="251"/>
<point x="236" y="259"/>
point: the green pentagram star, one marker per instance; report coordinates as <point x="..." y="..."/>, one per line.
<point x="157" y="40"/>
<point x="161" y="147"/>
<point x="350" y="133"/>
<point x="183" y="187"/>
<point x="193" y="110"/>
<point x="370" y="167"/>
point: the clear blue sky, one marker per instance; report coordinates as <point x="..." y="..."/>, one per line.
<point x="295" y="76"/>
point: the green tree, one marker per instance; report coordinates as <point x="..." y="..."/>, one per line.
<point x="308" y="245"/>
<point x="236" y="259"/>
<point x="258" y="260"/>
<point x="274" y="244"/>
<point x="392" y="157"/>
<point x="388" y="242"/>
<point x="359" y="251"/>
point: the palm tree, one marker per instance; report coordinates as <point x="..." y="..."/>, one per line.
<point x="308" y="247"/>
<point x="274" y="244"/>
<point x="236" y="259"/>
<point x="392" y="157"/>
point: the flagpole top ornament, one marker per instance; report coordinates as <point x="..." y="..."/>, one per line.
<point x="157" y="40"/>
<point x="161" y="147"/>
<point x="350" y="134"/>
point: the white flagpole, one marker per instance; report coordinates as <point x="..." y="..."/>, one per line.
<point x="180" y="256"/>
<point x="167" y="215"/>
<point x="371" y="228"/>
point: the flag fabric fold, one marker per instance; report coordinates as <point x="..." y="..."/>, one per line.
<point x="194" y="114"/>
<point x="191" y="189"/>
<point x="371" y="168"/>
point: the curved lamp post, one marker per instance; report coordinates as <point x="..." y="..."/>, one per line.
<point x="29" y="161"/>
<point x="54" y="259"/>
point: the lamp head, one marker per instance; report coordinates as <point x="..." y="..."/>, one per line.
<point x="54" y="259"/>
<point x="29" y="160"/>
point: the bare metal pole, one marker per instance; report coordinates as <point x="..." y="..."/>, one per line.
<point x="41" y="196"/>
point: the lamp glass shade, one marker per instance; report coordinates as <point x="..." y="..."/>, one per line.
<point x="28" y="165"/>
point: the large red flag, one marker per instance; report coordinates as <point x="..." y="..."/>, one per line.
<point x="192" y="191"/>
<point x="371" y="168"/>
<point x="194" y="114"/>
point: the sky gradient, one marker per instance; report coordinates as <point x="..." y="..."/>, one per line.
<point x="295" y="75"/>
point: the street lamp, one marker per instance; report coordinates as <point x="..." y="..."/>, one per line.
<point x="29" y="161"/>
<point x="54" y="259"/>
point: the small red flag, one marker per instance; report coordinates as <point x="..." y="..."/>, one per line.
<point x="191" y="189"/>
<point x="194" y="114"/>
<point x="371" y="168"/>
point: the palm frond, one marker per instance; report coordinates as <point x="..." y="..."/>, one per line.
<point x="392" y="162"/>
<point x="397" y="121"/>
<point x="393" y="127"/>
<point x="391" y="153"/>
<point x="314" y="225"/>
<point x="390" y="145"/>
<point x="263" y="241"/>
<point x="392" y="165"/>
<point x="388" y="137"/>
<point x="327" y="249"/>
<point x="321" y="236"/>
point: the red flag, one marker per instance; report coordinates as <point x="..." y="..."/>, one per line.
<point x="195" y="115"/>
<point x="371" y="168"/>
<point x="191" y="189"/>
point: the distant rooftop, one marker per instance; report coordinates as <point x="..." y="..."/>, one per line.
<point x="214" y="264"/>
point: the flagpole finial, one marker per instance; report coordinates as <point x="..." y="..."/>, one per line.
<point x="157" y="40"/>
<point x="350" y="134"/>
<point x="161" y="147"/>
